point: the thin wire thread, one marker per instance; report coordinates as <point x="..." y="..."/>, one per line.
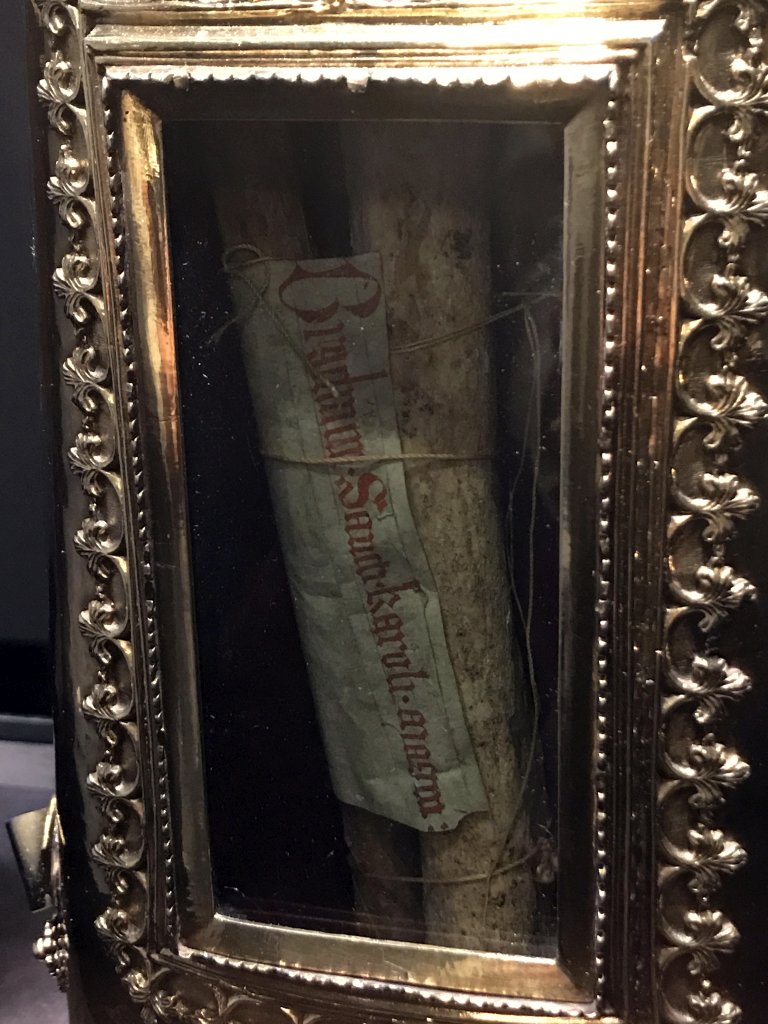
<point x="526" y="617"/>
<point x="460" y="880"/>
<point x="258" y="294"/>
<point x="342" y="460"/>
<point x="532" y="335"/>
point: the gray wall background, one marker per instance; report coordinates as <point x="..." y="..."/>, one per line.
<point x="24" y="476"/>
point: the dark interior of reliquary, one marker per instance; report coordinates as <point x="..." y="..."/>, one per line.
<point x="368" y="344"/>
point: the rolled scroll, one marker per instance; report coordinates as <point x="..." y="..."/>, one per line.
<point x="375" y="410"/>
<point x="259" y="211"/>
<point x="417" y="197"/>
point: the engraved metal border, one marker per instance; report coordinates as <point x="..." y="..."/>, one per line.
<point x="167" y="984"/>
<point x="723" y="313"/>
<point x="111" y="699"/>
<point x="111" y="702"/>
<point x="607" y="446"/>
<point x="697" y="774"/>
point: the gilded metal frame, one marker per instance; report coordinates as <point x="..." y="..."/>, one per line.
<point x="681" y="76"/>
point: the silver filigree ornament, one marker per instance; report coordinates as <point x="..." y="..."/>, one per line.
<point x="714" y="409"/>
<point x="100" y="539"/>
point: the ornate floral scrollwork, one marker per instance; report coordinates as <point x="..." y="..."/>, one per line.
<point x="724" y="315"/>
<point x="94" y="457"/>
<point x="179" y="1000"/>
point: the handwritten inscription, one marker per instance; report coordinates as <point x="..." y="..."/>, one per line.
<point x="367" y="608"/>
<point x="334" y="397"/>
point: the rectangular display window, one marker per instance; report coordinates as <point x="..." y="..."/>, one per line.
<point x="368" y="317"/>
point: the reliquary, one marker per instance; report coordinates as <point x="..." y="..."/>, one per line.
<point x="406" y="386"/>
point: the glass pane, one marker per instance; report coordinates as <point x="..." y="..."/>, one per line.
<point x="368" y="322"/>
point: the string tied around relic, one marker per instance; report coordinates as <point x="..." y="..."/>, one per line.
<point x="373" y="458"/>
<point x="533" y="412"/>
<point x="235" y="269"/>
<point x="483" y="876"/>
<point x="258" y="296"/>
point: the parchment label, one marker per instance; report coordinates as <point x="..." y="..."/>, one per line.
<point x="317" y="358"/>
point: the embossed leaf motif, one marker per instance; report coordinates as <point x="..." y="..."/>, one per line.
<point x="106" y="700"/>
<point x="748" y="71"/>
<point x="713" y="767"/>
<point x="102" y="617"/>
<point x="747" y="12"/>
<point x="739" y="307"/>
<point x="59" y="89"/>
<point x="209" y="1004"/>
<point x="91" y="455"/>
<point x="748" y="20"/>
<point x="75" y="280"/>
<point x="171" y="1007"/>
<point x="84" y="366"/>
<point x="720" y="498"/>
<point x="710" y="682"/>
<point x="106" y="776"/>
<point x="733" y="235"/>
<point x="741" y="193"/>
<point x="751" y="80"/>
<point x="709" y="932"/>
<point x="110" y="847"/>
<point x="729" y="493"/>
<point x="68" y="187"/>
<point x="116" y="921"/>
<point x="714" y="855"/>
<point x="99" y="535"/>
<point x="710" y="1007"/>
<point x="731" y="404"/>
<point x="720" y="591"/>
<point x="98" y="565"/>
<point x="72" y="176"/>
<point x="715" y="681"/>
<point x="121" y="847"/>
<point x="719" y="526"/>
